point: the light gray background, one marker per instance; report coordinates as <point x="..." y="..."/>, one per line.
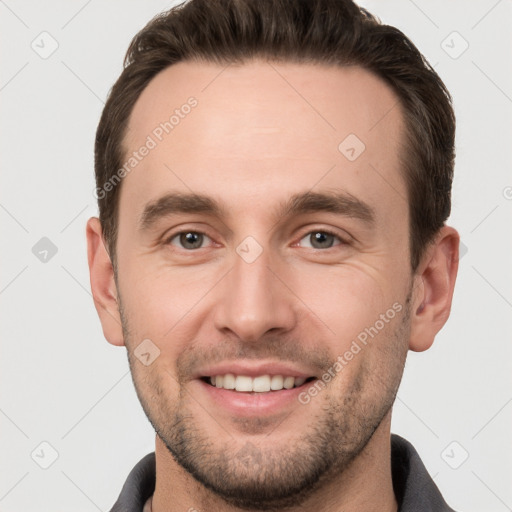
<point x="63" y="384"/>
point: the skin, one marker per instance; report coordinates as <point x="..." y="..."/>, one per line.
<point x="262" y="132"/>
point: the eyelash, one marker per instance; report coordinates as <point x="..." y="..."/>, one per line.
<point x="342" y="241"/>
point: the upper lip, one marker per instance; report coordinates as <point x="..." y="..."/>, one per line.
<point x="254" y="369"/>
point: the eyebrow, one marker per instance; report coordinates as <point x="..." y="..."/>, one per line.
<point x="340" y="203"/>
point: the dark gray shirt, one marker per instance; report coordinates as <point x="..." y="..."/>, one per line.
<point x="415" y="490"/>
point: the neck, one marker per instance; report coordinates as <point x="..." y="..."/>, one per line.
<point x="366" y="485"/>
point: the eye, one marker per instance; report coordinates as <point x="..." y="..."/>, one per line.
<point x="321" y="239"/>
<point x="188" y="240"/>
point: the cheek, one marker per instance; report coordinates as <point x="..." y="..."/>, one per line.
<point x="160" y="298"/>
<point x="170" y="307"/>
<point x="346" y="299"/>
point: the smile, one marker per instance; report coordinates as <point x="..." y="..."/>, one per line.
<point x="257" y="384"/>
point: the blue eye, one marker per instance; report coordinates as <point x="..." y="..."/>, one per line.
<point x="188" y="240"/>
<point x="321" y="239"/>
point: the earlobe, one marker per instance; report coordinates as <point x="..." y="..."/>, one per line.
<point x="103" y="285"/>
<point x="434" y="283"/>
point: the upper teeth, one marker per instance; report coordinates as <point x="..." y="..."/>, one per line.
<point x="260" y="384"/>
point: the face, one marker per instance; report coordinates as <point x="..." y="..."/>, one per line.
<point x="256" y="251"/>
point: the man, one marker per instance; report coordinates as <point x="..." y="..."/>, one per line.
<point x="273" y="182"/>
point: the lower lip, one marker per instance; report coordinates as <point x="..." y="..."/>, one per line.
<point x="253" y="404"/>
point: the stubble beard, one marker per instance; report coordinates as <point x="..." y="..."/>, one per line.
<point x="267" y="476"/>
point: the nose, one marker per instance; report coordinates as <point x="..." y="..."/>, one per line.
<point x="254" y="299"/>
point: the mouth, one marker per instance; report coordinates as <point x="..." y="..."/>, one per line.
<point x="257" y="384"/>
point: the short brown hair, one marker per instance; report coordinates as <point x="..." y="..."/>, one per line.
<point x="334" y="32"/>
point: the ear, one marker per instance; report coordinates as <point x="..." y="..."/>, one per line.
<point x="103" y="285"/>
<point x="434" y="282"/>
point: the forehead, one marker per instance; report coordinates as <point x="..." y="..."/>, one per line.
<point x="264" y="129"/>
